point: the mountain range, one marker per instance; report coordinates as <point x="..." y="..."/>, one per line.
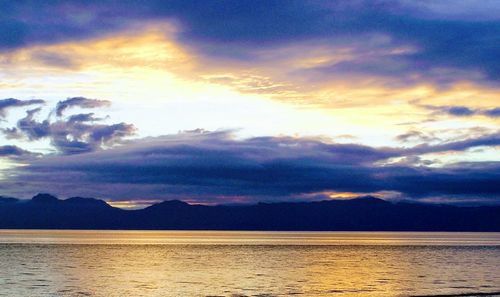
<point x="45" y="211"/>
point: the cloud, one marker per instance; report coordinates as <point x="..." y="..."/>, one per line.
<point x="405" y="41"/>
<point x="11" y="133"/>
<point x="494" y="112"/>
<point x="75" y="134"/>
<point x="83" y="117"/>
<point x="33" y="129"/>
<point x="397" y="41"/>
<point x="462" y="111"/>
<point x="12" y="102"/>
<point x="478" y="180"/>
<point x="54" y="59"/>
<point x="492" y="139"/>
<point x="24" y="23"/>
<point x="81" y="102"/>
<point x="215" y="167"/>
<point x="77" y="137"/>
<point x="417" y="136"/>
<point x="14" y="152"/>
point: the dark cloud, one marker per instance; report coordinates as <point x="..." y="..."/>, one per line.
<point x="25" y="22"/>
<point x="12" y="102"/>
<point x="78" y="133"/>
<point x="444" y="47"/>
<point x="81" y="102"/>
<point x="462" y="111"/>
<point x="460" y="145"/>
<point x="14" y="151"/>
<point x="430" y="143"/>
<point x="33" y="129"/>
<point x="109" y="133"/>
<point x="76" y="137"/>
<point x="217" y="168"/>
<point x="494" y="112"/>
<point x="83" y="117"/>
<point x="465" y="179"/>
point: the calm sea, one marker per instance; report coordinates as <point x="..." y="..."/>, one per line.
<point x="213" y="263"/>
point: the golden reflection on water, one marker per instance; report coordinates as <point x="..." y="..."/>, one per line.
<point x="247" y="237"/>
<point x="212" y="263"/>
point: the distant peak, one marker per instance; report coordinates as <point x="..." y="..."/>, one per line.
<point x="369" y="199"/>
<point x="8" y="199"/>
<point x="174" y="202"/>
<point x="45" y="198"/>
<point x="169" y="204"/>
<point x="86" y="201"/>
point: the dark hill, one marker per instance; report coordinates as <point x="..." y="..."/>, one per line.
<point x="45" y="211"/>
<point x="8" y="200"/>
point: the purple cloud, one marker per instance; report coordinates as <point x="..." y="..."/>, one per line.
<point x="447" y="46"/>
<point x="78" y="133"/>
<point x="12" y="102"/>
<point x="81" y="102"/>
<point x="215" y="167"/>
<point x="462" y="111"/>
<point x="14" y="151"/>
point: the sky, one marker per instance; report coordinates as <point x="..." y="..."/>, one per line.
<point x="219" y="102"/>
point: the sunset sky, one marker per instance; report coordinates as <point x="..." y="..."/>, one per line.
<point x="245" y="101"/>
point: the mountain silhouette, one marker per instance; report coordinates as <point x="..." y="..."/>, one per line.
<point x="45" y="211"/>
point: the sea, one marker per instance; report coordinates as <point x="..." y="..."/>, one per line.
<point x="234" y="263"/>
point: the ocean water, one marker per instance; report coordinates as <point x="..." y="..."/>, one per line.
<point x="213" y="263"/>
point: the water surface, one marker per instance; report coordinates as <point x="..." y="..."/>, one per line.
<point x="214" y="263"/>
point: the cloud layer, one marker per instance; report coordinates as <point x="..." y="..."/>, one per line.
<point x="216" y="168"/>
<point x="405" y="41"/>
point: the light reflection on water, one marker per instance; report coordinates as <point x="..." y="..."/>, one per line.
<point x="213" y="263"/>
